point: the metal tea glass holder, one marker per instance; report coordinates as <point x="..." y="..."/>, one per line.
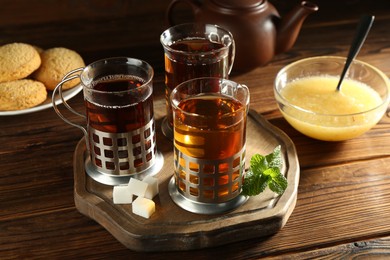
<point x="196" y="185"/>
<point x="114" y="158"/>
<point x="208" y="170"/>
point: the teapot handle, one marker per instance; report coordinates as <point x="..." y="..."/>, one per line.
<point x="194" y="4"/>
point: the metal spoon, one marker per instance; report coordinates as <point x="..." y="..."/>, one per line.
<point x="362" y="30"/>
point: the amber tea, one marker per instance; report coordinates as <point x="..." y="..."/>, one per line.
<point x="120" y="131"/>
<point x="119" y="113"/>
<point x="209" y="140"/>
<point x="216" y="134"/>
<point x="179" y="68"/>
<point x="218" y="131"/>
<point x="193" y="51"/>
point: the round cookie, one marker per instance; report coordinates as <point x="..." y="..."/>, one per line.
<point x="17" y="61"/>
<point x="56" y="62"/>
<point x="21" y="94"/>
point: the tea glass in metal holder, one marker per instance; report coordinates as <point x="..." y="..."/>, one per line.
<point x="194" y="50"/>
<point x="120" y="129"/>
<point x="209" y="116"/>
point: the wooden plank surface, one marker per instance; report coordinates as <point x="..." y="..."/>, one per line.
<point x="343" y="202"/>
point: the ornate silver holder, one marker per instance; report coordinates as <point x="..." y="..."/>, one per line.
<point x="202" y="207"/>
<point x="207" y="186"/>
<point x="111" y="179"/>
<point x="116" y="157"/>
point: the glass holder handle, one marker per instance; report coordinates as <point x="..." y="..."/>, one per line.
<point x="69" y="76"/>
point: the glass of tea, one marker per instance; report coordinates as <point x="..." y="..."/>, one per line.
<point x="209" y="124"/>
<point x="120" y="128"/>
<point x="193" y="51"/>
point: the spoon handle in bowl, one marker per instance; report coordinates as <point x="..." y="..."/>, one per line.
<point x="362" y="30"/>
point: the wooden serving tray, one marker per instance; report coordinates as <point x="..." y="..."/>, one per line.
<point x="172" y="228"/>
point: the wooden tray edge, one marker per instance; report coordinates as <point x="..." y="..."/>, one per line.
<point x="93" y="207"/>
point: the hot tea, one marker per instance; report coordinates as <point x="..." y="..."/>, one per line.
<point x="179" y="67"/>
<point x="120" y="131"/>
<point x="218" y="131"/>
<point x="119" y="113"/>
<point x="194" y="51"/>
<point x="209" y="116"/>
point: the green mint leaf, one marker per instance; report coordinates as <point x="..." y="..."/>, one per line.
<point x="277" y="182"/>
<point x="254" y="184"/>
<point x="258" y="164"/>
<point x="274" y="159"/>
<point x="264" y="171"/>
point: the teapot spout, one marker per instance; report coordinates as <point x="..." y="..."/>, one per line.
<point x="290" y="25"/>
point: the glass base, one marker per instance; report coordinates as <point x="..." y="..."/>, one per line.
<point x="167" y="129"/>
<point x="200" y="207"/>
<point x="110" y="179"/>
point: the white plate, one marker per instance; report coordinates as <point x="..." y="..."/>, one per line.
<point x="67" y="94"/>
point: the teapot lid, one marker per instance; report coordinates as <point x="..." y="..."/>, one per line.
<point x="239" y="4"/>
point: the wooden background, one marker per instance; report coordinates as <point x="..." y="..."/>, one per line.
<point x="343" y="207"/>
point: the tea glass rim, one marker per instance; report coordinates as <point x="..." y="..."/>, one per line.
<point x="285" y="102"/>
<point x="168" y="47"/>
<point x="220" y="80"/>
<point x="106" y="62"/>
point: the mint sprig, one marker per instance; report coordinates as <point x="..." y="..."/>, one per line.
<point x="264" y="172"/>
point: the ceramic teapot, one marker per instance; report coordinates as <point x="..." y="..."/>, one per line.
<point x="257" y="28"/>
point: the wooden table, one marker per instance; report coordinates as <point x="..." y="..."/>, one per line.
<point x="343" y="206"/>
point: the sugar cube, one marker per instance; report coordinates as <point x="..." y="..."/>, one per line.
<point x="152" y="189"/>
<point x="122" y="195"/>
<point x="137" y="187"/>
<point x="143" y="207"/>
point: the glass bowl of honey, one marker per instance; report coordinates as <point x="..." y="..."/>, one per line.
<point x="307" y="97"/>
